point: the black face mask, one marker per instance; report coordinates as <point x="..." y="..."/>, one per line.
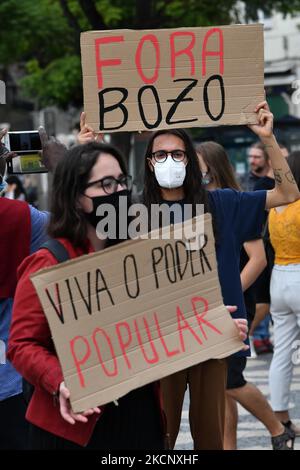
<point x="120" y="201"/>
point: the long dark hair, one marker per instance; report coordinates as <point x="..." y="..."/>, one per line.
<point x="194" y="193"/>
<point x="70" y="178"/>
<point x="294" y="163"/>
<point x="219" y="165"/>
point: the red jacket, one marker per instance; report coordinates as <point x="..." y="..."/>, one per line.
<point x="32" y="352"/>
<point x="15" y="237"/>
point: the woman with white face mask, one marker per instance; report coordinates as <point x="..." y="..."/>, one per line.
<point x="218" y="173"/>
<point x="172" y="174"/>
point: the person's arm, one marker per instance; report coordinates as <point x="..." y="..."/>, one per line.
<point x="257" y="262"/>
<point x="52" y="150"/>
<point x="286" y="190"/>
<point x="241" y="324"/>
<point x="66" y="409"/>
<point x="30" y="349"/>
<point x="30" y="345"/>
<point x="39" y="222"/>
<point x="262" y="310"/>
<point x="4" y="153"/>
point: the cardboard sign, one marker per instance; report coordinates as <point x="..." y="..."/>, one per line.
<point x="134" y="313"/>
<point x="186" y="77"/>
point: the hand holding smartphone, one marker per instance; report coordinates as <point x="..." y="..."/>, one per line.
<point x="27" y="145"/>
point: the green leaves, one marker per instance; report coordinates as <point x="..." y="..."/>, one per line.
<point x="32" y="29"/>
<point x="59" y="83"/>
<point x="44" y="35"/>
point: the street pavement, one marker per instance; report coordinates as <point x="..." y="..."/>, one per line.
<point x="252" y="435"/>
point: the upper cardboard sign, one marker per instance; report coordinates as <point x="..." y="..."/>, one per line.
<point x="186" y="77"/>
<point x="134" y="313"/>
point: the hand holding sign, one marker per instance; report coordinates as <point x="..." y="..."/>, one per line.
<point x="87" y="133"/>
<point x="135" y="313"/>
<point x="265" y="118"/>
<point x="170" y="78"/>
<point x="66" y="411"/>
<point x="64" y="393"/>
<point x="242" y="326"/>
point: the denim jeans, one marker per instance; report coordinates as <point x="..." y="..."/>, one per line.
<point x="262" y="331"/>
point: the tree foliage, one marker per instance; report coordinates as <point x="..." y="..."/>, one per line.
<point x="44" y="36"/>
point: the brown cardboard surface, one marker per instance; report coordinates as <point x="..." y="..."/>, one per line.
<point x="238" y="47"/>
<point x="137" y="312"/>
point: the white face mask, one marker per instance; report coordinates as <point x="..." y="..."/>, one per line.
<point x="170" y="174"/>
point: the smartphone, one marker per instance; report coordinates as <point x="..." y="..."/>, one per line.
<point x="27" y="163"/>
<point x="27" y="144"/>
<point x="23" y="141"/>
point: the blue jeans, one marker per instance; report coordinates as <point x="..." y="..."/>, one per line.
<point x="262" y="331"/>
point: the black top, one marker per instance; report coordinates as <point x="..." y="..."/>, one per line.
<point x="248" y="181"/>
<point x="264" y="183"/>
<point x="249" y="294"/>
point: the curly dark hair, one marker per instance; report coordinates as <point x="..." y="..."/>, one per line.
<point x="70" y="178"/>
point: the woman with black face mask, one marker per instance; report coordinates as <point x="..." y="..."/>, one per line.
<point x="90" y="179"/>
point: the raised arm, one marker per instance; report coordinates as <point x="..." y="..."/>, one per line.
<point x="286" y="190"/>
<point x="53" y="150"/>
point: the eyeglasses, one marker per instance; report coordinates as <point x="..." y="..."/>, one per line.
<point x="161" y="155"/>
<point x="110" y="184"/>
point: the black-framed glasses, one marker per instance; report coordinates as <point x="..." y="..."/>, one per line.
<point x="160" y="156"/>
<point x="110" y="184"/>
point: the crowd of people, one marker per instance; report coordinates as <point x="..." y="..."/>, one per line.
<point x="247" y="224"/>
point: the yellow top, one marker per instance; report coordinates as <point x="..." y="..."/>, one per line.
<point x="285" y="233"/>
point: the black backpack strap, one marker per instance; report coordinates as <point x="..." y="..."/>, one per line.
<point x="57" y="249"/>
